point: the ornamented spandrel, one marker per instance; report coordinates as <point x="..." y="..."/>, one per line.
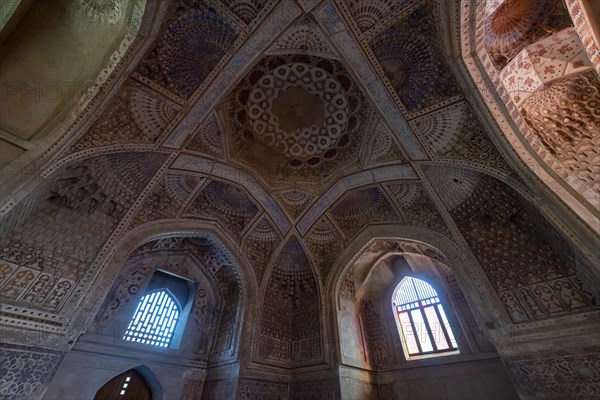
<point x="135" y="116"/>
<point x="361" y="207"/>
<point x="325" y="245"/>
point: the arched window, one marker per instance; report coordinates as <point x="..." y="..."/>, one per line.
<point x="421" y="319"/>
<point x="154" y="319"/>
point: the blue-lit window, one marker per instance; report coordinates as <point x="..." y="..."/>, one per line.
<point x="154" y="320"/>
<point x="422" y="321"/>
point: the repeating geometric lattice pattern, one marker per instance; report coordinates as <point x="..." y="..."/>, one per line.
<point x="154" y="320"/>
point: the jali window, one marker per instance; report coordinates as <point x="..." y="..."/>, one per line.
<point x="422" y="321"/>
<point x="154" y="320"/>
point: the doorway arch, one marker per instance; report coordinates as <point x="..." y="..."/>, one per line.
<point x="137" y="383"/>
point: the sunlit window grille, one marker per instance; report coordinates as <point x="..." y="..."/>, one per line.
<point x="154" y="320"/>
<point x="423" y="322"/>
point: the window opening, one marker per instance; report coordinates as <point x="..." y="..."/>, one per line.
<point x="154" y="320"/>
<point x="423" y="323"/>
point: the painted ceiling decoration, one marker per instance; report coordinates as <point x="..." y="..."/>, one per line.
<point x="539" y="57"/>
<point x="297" y="115"/>
<point x="293" y="156"/>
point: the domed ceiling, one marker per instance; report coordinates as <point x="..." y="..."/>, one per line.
<point x="291" y="128"/>
<point x="297" y="116"/>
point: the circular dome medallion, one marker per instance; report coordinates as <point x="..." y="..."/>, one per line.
<point x="298" y="109"/>
<point x="508" y="27"/>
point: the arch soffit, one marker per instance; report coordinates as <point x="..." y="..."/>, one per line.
<point x="430" y="273"/>
<point x="152" y="381"/>
<point x="192" y="228"/>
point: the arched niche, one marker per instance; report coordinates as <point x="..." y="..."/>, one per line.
<point x="177" y="257"/>
<point x="211" y="339"/>
<point x="56" y="55"/>
<point x="368" y="331"/>
<point x="290" y="329"/>
<point x="372" y="363"/>
<point x="215" y="321"/>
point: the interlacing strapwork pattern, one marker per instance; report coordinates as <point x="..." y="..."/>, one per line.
<point x="297" y="117"/>
<point x="297" y="138"/>
<point x="25" y="371"/>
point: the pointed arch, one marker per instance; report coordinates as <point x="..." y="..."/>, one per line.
<point x="422" y="322"/>
<point x="290" y="331"/>
<point x="137" y="383"/>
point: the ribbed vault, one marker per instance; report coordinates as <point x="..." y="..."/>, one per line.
<point x="267" y="143"/>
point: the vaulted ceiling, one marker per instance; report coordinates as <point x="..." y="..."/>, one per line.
<point x="293" y="127"/>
